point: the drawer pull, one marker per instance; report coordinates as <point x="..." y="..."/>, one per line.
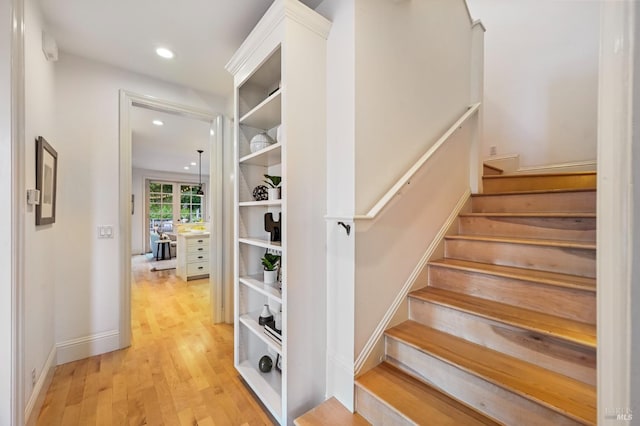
<point x="200" y="249"/>
<point x="200" y="267"/>
<point x="200" y="257"/>
<point x="200" y="241"/>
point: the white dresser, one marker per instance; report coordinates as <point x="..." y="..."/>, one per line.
<point x="193" y="256"/>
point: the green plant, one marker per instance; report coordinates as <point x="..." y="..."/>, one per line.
<point x="270" y="261"/>
<point x="272" y="181"/>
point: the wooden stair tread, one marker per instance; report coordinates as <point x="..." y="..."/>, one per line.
<point x="571" y="215"/>
<point x="331" y="412"/>
<point x="535" y="191"/>
<point x="572" y="331"/>
<point x="531" y="275"/>
<point x="534" y="175"/>
<point x="529" y="241"/>
<point x="563" y="394"/>
<point x="416" y="400"/>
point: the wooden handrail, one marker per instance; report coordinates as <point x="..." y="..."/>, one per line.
<point x="393" y="191"/>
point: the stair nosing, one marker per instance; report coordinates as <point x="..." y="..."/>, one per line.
<point x="552" y="174"/>
<point x="534" y="192"/>
<point x="477" y="267"/>
<point x="525" y="241"/>
<point x="542" y="215"/>
<point x="418" y="295"/>
<point x="483" y="375"/>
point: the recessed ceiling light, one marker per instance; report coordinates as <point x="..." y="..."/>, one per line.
<point x="158" y="123"/>
<point x="164" y="52"/>
<point x="193" y="163"/>
<point x="186" y="167"/>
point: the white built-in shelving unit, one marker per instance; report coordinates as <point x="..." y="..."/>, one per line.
<point x="279" y="78"/>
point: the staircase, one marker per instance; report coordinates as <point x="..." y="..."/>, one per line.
<point x="505" y="330"/>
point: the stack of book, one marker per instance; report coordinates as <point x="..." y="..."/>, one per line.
<point x="271" y="331"/>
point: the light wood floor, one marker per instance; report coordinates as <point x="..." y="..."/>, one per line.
<point x="178" y="370"/>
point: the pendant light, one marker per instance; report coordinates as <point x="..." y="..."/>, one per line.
<point x="199" y="192"/>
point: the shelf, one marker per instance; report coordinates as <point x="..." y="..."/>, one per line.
<point x="260" y="203"/>
<point x="267" y="385"/>
<point x="254" y="282"/>
<point x="266" y="114"/>
<point x="248" y="321"/>
<point x="265" y="157"/>
<point x="261" y="243"/>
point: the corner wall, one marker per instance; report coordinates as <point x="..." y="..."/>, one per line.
<point x="41" y="243"/>
<point x="541" y="79"/>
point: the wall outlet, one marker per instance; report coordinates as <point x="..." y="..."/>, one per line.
<point x="493" y="150"/>
<point x="33" y="377"/>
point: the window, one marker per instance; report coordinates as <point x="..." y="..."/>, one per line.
<point x="161" y="206"/>
<point x="190" y="204"/>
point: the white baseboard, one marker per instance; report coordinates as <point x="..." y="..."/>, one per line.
<point x="402" y="295"/>
<point x="34" y="405"/>
<point x="84" y="347"/>
<point x="340" y="381"/>
<point x="575" y="166"/>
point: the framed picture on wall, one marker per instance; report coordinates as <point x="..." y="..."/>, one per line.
<point x="46" y="177"/>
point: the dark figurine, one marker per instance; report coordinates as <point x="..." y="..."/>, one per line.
<point x="272" y="226"/>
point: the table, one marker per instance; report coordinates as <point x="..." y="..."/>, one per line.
<point x="165" y="247"/>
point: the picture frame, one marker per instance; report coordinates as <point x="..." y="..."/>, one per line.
<point x="46" y="181"/>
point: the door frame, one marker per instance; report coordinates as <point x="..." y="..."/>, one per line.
<point x="216" y="289"/>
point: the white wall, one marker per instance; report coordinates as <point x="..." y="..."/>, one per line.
<point x="541" y="79"/>
<point x="42" y="243"/>
<point x="412" y="82"/>
<point x="635" y="237"/>
<point x="340" y="196"/>
<point x="87" y="295"/>
<point x="138" y="179"/>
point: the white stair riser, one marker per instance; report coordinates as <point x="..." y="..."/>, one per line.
<point x="377" y="412"/>
<point x="545" y="258"/>
<point x="566" y="202"/>
<point x="547" y="352"/>
<point x="564" y="302"/>
<point x="485" y="397"/>
<point x="570" y="229"/>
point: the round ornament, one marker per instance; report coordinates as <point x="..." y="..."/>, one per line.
<point x="259" y="142"/>
<point x="260" y="193"/>
<point x="265" y="364"/>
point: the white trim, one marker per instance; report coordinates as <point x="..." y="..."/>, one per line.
<point x="615" y="215"/>
<point x="582" y="165"/>
<point x="406" y="178"/>
<point x="34" y="405"/>
<point x="18" y="215"/>
<point x="84" y="347"/>
<point x="402" y="295"/>
<point x="127" y="100"/>
<point x="292" y="9"/>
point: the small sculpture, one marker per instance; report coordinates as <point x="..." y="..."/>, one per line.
<point x="272" y="226"/>
<point x="265" y="364"/>
<point x="260" y="193"/>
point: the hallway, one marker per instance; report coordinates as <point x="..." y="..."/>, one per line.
<point x="178" y="370"/>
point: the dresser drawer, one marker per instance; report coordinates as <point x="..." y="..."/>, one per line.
<point x="198" y="242"/>
<point x="198" y="257"/>
<point x="197" y="268"/>
<point x="197" y="249"/>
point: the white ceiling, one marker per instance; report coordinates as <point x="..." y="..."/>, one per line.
<point x="169" y="147"/>
<point x="203" y="34"/>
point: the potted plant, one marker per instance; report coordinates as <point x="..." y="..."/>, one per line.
<point x="273" y="183"/>
<point x="270" y="263"/>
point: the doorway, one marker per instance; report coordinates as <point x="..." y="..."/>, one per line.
<point x="212" y="207"/>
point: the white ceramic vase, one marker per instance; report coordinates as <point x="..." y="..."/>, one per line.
<point x="270" y="276"/>
<point x="273" y="193"/>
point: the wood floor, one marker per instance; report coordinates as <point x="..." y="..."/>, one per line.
<point x="178" y="370"/>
